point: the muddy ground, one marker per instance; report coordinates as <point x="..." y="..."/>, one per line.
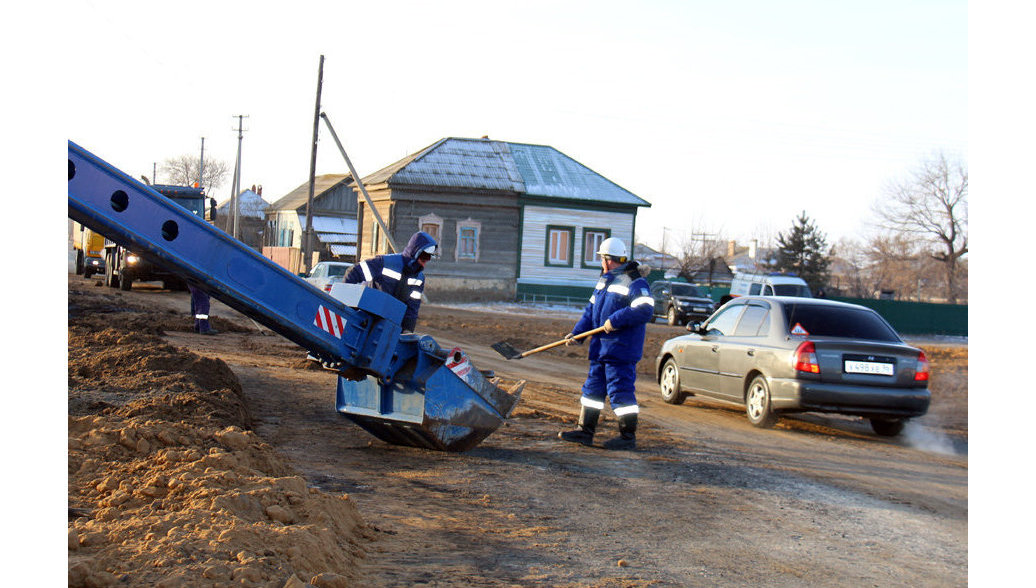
<point x="220" y="461"/>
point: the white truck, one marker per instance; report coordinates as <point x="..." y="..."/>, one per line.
<point x="775" y="284"/>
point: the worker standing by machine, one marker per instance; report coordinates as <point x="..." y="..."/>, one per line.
<point x="622" y="304"/>
<point x="399" y="274"/>
<point x="200" y="310"/>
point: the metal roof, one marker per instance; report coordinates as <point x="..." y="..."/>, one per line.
<point x="250" y="205"/>
<point x="331" y="224"/>
<point x="298" y="197"/>
<point x="343" y="250"/>
<point x="534" y="170"/>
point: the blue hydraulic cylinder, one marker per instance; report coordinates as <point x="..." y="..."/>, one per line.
<point x="361" y="332"/>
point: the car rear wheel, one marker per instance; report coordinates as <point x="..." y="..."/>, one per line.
<point x="887" y="428"/>
<point x="669" y="383"/>
<point x="757" y="404"/>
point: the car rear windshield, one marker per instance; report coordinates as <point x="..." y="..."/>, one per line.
<point x="337" y="270"/>
<point x="687" y="290"/>
<point x="834" y="321"/>
<point x="792" y="290"/>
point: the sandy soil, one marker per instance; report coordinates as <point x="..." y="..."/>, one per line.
<point x="220" y="461"/>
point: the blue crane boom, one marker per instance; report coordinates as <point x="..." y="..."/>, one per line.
<point x="402" y="388"/>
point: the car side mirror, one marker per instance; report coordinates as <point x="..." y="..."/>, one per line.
<point x="695" y="327"/>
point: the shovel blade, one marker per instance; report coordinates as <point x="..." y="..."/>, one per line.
<point x="507" y="350"/>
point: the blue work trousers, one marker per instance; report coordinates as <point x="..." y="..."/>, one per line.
<point x="617" y="381"/>
<point x="200" y="309"/>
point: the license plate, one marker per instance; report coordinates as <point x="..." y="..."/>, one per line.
<point x="870" y="367"/>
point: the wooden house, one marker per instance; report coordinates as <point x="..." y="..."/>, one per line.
<point x="334" y="222"/>
<point x="514" y="221"/>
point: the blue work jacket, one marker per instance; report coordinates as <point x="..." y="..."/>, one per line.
<point x="398" y="274"/>
<point x="621" y="296"/>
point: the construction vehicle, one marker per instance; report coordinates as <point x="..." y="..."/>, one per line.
<point x="89" y="248"/>
<point x="401" y="388"/>
<point x="123" y="265"/>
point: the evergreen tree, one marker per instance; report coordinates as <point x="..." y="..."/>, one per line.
<point x="803" y="251"/>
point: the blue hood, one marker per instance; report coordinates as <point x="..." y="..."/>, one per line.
<point x="418" y="241"/>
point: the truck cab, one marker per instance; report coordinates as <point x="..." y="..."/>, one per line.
<point x="89" y="247"/>
<point x="124" y="266"/>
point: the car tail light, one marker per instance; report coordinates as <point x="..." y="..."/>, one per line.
<point x="806" y="358"/>
<point x="327" y="287"/>
<point x="924" y="370"/>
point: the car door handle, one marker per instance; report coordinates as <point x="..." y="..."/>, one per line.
<point x="751" y="352"/>
<point x="715" y="348"/>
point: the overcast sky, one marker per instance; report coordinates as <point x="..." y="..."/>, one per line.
<point x="729" y="117"/>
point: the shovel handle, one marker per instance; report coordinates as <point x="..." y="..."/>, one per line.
<point x="562" y="342"/>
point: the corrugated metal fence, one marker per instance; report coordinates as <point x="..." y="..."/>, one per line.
<point x="919" y="318"/>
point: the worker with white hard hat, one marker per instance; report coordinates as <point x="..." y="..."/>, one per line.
<point x="622" y="304"/>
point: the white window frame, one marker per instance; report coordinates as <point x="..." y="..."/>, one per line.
<point x="568" y="250"/>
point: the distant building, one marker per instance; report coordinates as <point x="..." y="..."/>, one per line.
<point x="334" y="223"/>
<point x="513" y="220"/>
<point x="250" y="219"/>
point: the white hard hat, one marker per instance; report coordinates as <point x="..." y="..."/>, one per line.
<point x="612" y="247"/>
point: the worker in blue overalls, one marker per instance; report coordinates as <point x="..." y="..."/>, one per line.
<point x="622" y="304"/>
<point x="399" y="274"/>
<point x="200" y="310"/>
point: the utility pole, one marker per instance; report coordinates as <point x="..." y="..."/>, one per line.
<point x="307" y="246"/>
<point x="201" y="165"/>
<point x="234" y="204"/>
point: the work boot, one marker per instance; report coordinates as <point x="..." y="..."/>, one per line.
<point x="587" y="427"/>
<point x="627" y="439"/>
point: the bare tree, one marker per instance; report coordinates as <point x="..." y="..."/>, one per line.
<point x="693" y="248"/>
<point x="932" y="204"/>
<point x="183" y="171"/>
<point x="849" y="268"/>
<point x="892" y="264"/>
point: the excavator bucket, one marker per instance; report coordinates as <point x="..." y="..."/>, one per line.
<point x="436" y="400"/>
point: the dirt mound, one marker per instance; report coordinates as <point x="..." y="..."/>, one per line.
<point x="168" y="486"/>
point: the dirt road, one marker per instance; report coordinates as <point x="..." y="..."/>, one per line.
<point x="705" y="500"/>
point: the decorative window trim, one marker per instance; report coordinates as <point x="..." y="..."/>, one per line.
<point x="571" y="245"/>
<point x="469" y="224"/>
<point x="431" y="219"/>
<point x="595" y="263"/>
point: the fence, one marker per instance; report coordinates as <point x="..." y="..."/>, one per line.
<point x="919" y="318"/>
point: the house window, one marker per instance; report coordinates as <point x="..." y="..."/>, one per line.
<point x="559" y="245"/>
<point x="431" y="224"/>
<point x="591" y="244"/>
<point x="468" y="232"/>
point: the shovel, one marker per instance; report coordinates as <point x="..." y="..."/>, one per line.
<point x="504" y="348"/>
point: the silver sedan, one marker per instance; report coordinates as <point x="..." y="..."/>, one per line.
<point x="775" y="355"/>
